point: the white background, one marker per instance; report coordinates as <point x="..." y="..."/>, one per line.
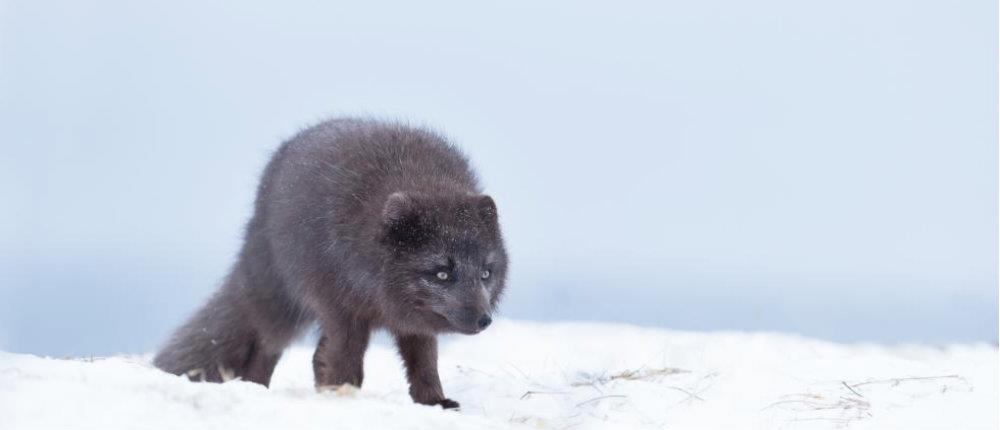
<point x="827" y="169"/>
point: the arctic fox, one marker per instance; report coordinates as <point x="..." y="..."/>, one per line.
<point x="358" y="225"/>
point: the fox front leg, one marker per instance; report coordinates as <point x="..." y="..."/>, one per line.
<point x="419" y="354"/>
<point x="340" y="355"/>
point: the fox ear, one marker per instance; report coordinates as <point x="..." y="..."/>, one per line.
<point x="486" y="207"/>
<point x="404" y="226"/>
<point x="398" y="207"/>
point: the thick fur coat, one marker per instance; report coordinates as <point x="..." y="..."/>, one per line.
<point x="358" y="225"/>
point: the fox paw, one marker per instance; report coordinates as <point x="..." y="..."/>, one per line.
<point x="447" y="404"/>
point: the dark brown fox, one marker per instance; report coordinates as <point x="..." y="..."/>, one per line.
<point x="358" y="225"/>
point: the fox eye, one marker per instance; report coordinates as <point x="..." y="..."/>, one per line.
<point x="485" y="274"/>
<point x="442" y="275"/>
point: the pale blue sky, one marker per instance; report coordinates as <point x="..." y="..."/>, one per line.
<point x="825" y="168"/>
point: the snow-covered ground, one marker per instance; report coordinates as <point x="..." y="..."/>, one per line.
<point x="543" y="375"/>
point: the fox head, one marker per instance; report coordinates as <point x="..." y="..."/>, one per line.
<point x="446" y="265"/>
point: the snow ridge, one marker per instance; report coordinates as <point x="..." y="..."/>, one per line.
<point x="542" y="375"/>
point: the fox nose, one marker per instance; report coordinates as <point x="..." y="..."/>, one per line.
<point x="484" y="321"/>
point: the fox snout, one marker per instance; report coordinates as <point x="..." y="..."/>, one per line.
<point x="472" y="320"/>
<point x="474" y="315"/>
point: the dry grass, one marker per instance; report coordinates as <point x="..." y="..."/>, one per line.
<point x="843" y="403"/>
<point x="641" y="374"/>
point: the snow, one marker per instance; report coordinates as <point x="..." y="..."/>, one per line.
<point x="541" y="375"/>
